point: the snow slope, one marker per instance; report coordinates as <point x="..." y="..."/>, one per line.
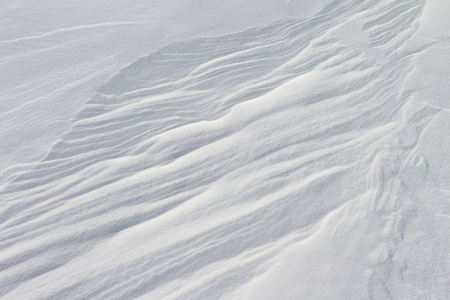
<point x="54" y="55"/>
<point x="301" y="159"/>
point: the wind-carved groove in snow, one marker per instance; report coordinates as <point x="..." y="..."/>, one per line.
<point x="233" y="151"/>
<point x="74" y="28"/>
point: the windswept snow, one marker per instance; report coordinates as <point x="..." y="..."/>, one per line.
<point x="300" y="152"/>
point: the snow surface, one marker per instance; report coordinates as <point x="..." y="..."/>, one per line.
<point x="225" y="149"/>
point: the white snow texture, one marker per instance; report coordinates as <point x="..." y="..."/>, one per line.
<point x="273" y="149"/>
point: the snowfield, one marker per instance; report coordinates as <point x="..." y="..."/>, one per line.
<point x="225" y="150"/>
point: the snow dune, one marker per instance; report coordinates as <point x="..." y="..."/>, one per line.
<point x="296" y="160"/>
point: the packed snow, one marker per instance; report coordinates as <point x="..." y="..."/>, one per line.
<point x="272" y="149"/>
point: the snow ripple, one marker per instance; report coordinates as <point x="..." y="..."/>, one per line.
<point x="276" y="163"/>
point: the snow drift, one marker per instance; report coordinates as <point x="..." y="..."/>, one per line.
<point x="294" y="160"/>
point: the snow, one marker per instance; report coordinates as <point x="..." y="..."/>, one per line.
<point x="225" y="150"/>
